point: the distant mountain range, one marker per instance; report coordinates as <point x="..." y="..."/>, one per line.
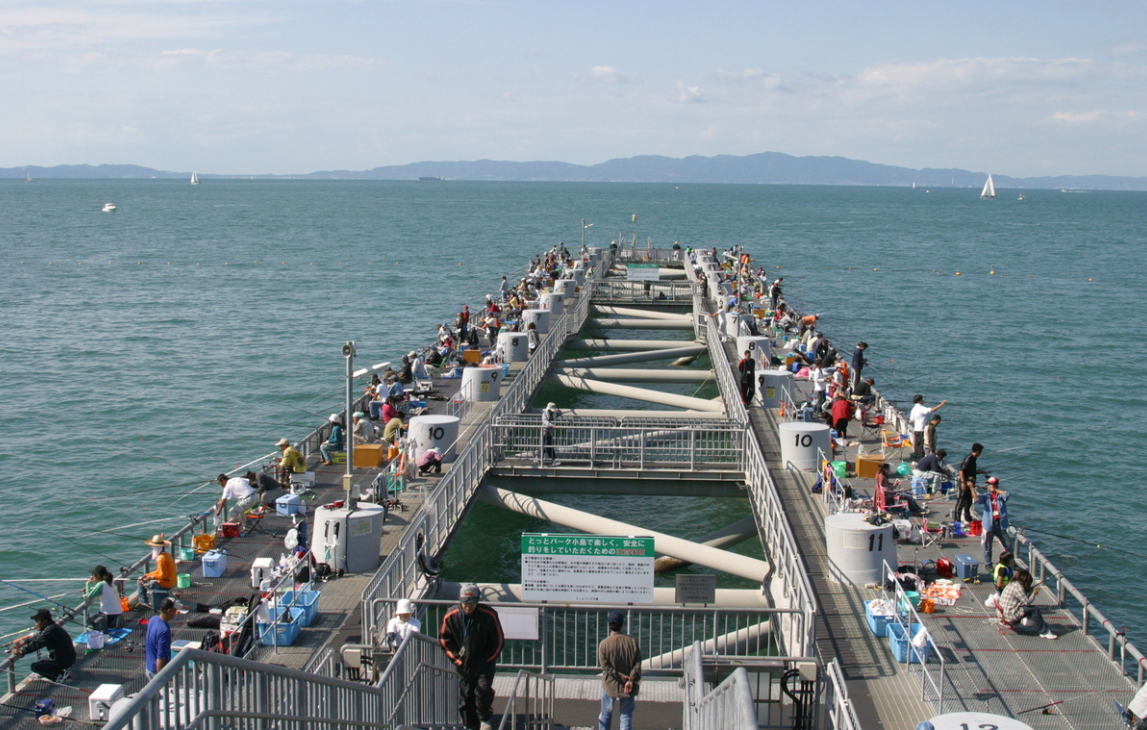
<point x="766" y="168"/>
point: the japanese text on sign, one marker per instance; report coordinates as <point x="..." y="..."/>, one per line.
<point x="587" y="568"/>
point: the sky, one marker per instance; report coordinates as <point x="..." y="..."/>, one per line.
<point x="277" y="86"/>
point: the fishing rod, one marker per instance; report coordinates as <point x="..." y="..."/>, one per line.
<point x="91" y="550"/>
<point x="66" y="718"/>
<point x="1060" y="702"/>
<point x="1076" y="539"/>
<point x="164" y="460"/>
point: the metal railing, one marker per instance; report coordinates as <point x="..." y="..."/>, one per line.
<point x="905" y="615"/>
<point x="627" y="254"/>
<point x="407" y="571"/>
<point x="716" y="445"/>
<point x="568" y="636"/>
<point x="840" y="715"/>
<point x="538" y="707"/>
<point x="419" y="685"/>
<point x="729" y="705"/>
<point x="1118" y="648"/>
<point x="645" y="290"/>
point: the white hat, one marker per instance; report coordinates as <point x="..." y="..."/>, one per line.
<point x="404" y="606"/>
<point x="333" y="418"/>
<point x="283" y="442"/>
<point x="413" y="354"/>
<point x="550" y="405"/>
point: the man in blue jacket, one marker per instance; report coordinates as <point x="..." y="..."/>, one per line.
<point x="994" y="517"/>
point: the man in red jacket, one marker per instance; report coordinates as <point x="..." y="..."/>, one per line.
<point x="471" y="636"/>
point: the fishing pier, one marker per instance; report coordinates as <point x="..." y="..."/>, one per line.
<point x="794" y="650"/>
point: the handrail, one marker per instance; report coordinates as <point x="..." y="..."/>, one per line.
<point x="841" y="713"/>
<point x="900" y="601"/>
<point x="728" y="705"/>
<point x="545" y="717"/>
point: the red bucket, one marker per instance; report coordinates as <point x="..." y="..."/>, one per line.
<point x="976" y="528"/>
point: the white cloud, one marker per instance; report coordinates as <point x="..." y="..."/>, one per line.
<point x="606" y="75"/>
<point x="689" y="94"/>
<point x="1077" y="118"/>
<point x="748" y="73"/>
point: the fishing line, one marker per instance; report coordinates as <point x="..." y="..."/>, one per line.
<point x="24" y="605"/>
<point x="169" y="462"/>
<point x="91" y="550"/>
<point x="1079" y="540"/>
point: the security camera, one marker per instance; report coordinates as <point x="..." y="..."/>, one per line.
<point x="348" y="350"/>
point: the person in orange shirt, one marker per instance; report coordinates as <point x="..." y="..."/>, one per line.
<point x="164" y="574"/>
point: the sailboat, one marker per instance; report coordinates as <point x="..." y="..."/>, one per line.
<point x="989" y="189"/>
<point x="28" y="177"/>
<point x="194" y="178"/>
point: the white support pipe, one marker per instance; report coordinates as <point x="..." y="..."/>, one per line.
<point x="625" y="345"/>
<point x="512" y="593"/>
<point x="710" y="557"/>
<point x="632" y="357"/>
<point x="734" y="534"/>
<point x="637" y="375"/>
<point x="622" y="413"/>
<point x="744" y="641"/>
<point x="634" y="312"/>
<point x="641" y="394"/>
<point x="640" y="324"/>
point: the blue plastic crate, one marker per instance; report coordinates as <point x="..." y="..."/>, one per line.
<point x="306" y="600"/>
<point x="283" y="633"/>
<point x="898" y="642"/>
<point x="877" y="624"/>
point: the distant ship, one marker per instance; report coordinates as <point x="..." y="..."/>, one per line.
<point x="109" y="208"/>
<point x="429" y="177"/>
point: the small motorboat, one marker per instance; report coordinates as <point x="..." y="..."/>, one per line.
<point x="109" y="208"/>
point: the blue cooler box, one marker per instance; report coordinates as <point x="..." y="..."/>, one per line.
<point x="289" y="504"/>
<point x="919" y="486"/>
<point x="967" y="567"/>
<point x="214" y="564"/>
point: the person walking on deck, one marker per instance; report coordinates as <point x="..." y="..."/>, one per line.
<point x="748" y="369"/>
<point x="619" y="656"/>
<point x="471" y="635"/>
<point x="919" y="418"/>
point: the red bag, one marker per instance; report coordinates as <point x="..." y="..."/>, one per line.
<point x="944" y="568"/>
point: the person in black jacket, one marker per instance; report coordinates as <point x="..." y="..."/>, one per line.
<point x="471" y="636"/>
<point x="50" y="636"/>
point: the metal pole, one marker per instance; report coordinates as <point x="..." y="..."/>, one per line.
<point x="348" y="435"/>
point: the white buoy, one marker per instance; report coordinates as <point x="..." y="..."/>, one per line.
<point x="800" y="442"/>
<point x="776" y="387"/>
<point x="481" y="384"/>
<point x="857" y="550"/>
<point x="515" y="346"/>
<point x="540" y="318"/>
<point x="566" y="287"/>
<point x="437" y="432"/>
<point x="552" y="302"/>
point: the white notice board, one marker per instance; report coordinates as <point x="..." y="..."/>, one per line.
<point x="587" y="568"/>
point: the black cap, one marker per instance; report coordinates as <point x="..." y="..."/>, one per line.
<point x="616" y="617"/>
<point x="42" y="615"/>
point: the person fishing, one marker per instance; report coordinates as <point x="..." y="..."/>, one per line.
<point x="164" y="574"/>
<point x="51" y="636"/>
<point x="100" y="586"/>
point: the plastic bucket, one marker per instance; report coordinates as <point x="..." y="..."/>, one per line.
<point x="840" y="468"/>
<point x="187" y="554"/>
<point x="183" y="580"/>
<point x="96" y="640"/>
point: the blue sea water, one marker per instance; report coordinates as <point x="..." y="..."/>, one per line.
<point x="144" y="351"/>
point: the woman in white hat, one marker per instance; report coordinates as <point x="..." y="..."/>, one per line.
<point x="403" y="624"/>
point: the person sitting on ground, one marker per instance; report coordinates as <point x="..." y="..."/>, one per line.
<point x="1002" y="573"/>
<point x="403" y="624"/>
<point x="101" y="586"/>
<point x="51" y="636"/>
<point x="290" y="461"/>
<point x="395" y="427"/>
<point x="1016" y="609"/>
<point x="238" y="489"/>
<point x="431" y="460"/>
<point x="164" y="574"/>
<point x="863" y="393"/>
<point x="335" y="441"/>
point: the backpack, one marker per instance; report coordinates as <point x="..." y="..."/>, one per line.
<point x="944" y="568"/>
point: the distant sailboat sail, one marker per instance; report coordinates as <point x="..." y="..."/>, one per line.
<point x="195" y="179"/>
<point x="989" y="189"/>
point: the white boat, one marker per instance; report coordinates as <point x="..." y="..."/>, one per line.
<point x="989" y="189"/>
<point x="28" y="177"/>
<point x="1021" y="197"/>
<point x="194" y="178"/>
<point x="109" y="208"/>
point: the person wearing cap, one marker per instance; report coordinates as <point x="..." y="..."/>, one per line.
<point x="549" y="417"/>
<point x="51" y="636"/>
<point x="268" y="487"/>
<point x="158" y="642"/>
<point x="994" y="517"/>
<point x="619" y="656"/>
<point x="164" y="574"/>
<point x="471" y="635"/>
<point x="238" y="489"/>
<point x="363" y="430"/>
<point x="335" y="441"/>
<point x="918" y="416"/>
<point x="406" y="372"/>
<point x="418" y="366"/>
<point x="290" y="460"/>
<point x="430" y="460"/>
<point x="403" y="624"/>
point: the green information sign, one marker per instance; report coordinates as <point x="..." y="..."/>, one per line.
<point x="589" y="545"/>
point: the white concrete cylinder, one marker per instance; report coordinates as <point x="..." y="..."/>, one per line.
<point x="857" y="550"/>
<point x="434" y="432"/>
<point x="760" y="348"/>
<point x="540" y="318"/>
<point x="776" y="387"/>
<point x="566" y="287"/>
<point x="552" y="302"/>
<point x="800" y="442"/>
<point x="579" y="275"/>
<point x="580" y="264"/>
<point x="515" y="346"/>
<point x="481" y="384"/>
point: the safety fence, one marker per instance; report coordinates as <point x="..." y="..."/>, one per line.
<point x="530" y="703"/>
<point x="631" y="254"/>
<point x="653" y="290"/>
<point x="839" y="712"/>
<point x="551" y="638"/>
<point x="714" y="446"/>
<point x="928" y="658"/>
<point x="1118" y="648"/>
<point x="410" y="567"/>
<point x="729" y="705"/>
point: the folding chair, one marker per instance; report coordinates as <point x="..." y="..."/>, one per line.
<point x="880" y="503"/>
<point x="930" y="533"/>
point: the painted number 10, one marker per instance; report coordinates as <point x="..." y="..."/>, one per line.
<point x="804" y="440"/>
